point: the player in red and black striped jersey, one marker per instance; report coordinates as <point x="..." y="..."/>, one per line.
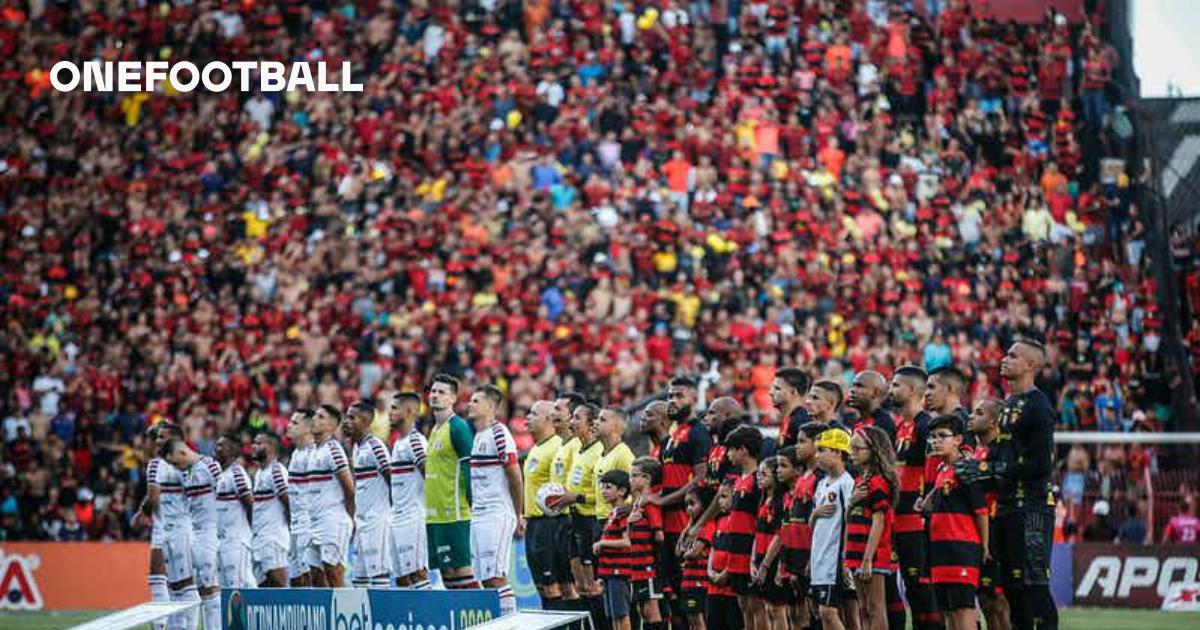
<point x="684" y="460"/>
<point x="787" y="394"/>
<point x="646" y="539"/>
<point x="770" y="599"/>
<point x="869" y="527"/>
<point x="906" y="394"/>
<point x="721" y="607"/>
<point x="958" y="528"/>
<point x="868" y="392"/>
<point x="722" y="417"/>
<point x="985" y="424"/>
<point x="737" y="537"/>
<point x="694" y="586"/>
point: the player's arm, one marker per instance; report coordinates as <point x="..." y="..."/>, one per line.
<point x="512" y="473"/>
<point x="462" y="441"/>
<point x="245" y="495"/>
<point x="151" y="502"/>
<point x="417" y="442"/>
<point x="383" y="464"/>
<point x="341" y="470"/>
<point x="279" y="478"/>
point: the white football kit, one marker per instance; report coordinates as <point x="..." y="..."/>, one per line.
<point x="493" y="515"/>
<point x="409" y="543"/>
<point x="301" y="543"/>
<point x="271" y="537"/>
<point x="200" y="486"/>
<point x="234" y="537"/>
<point x="372" y="505"/>
<point x="172" y="521"/>
<point x="331" y="525"/>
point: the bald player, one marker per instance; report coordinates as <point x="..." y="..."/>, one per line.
<point x="868" y="393"/>
<point x="656" y="425"/>
<point x="722" y="416"/>
<point x="1019" y="467"/>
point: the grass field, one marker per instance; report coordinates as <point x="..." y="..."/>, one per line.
<point x="1082" y="619"/>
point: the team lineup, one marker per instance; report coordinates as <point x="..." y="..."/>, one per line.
<point x="875" y="508"/>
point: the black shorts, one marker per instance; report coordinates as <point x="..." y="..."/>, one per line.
<point x="692" y="601"/>
<point x="826" y="594"/>
<point x="989" y="579"/>
<point x="771" y="592"/>
<point x="1024" y="539"/>
<point x="910" y="551"/>
<point x="585" y="531"/>
<point x="616" y="597"/>
<point x="952" y="597"/>
<point x="646" y="590"/>
<point x="539" y="550"/>
<point x="670" y="570"/>
<point x="723" y="612"/>
<point x="740" y="584"/>
<point x="560" y="550"/>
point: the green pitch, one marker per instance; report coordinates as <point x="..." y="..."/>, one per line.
<point x="1084" y="619"/>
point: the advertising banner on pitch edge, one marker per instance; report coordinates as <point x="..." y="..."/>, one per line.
<point x="1130" y="576"/>
<point x="73" y="575"/>
<point x="356" y="609"/>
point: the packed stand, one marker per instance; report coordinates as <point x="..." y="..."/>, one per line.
<point x="543" y="195"/>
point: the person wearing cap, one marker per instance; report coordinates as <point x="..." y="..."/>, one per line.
<point x="958" y="526"/>
<point x="827" y="572"/>
<point x="1100" y="528"/>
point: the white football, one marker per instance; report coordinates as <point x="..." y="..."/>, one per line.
<point x="548" y="491"/>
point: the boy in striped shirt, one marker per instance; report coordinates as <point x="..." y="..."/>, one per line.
<point x="372" y="499"/>
<point x="646" y="537"/>
<point x="612" y="549"/>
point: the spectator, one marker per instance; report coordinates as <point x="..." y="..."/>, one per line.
<point x="1183" y="526"/>
<point x="1099" y="529"/>
<point x="1133" y="528"/>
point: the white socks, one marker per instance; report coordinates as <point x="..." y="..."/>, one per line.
<point x="508" y="600"/>
<point x="185" y="620"/>
<point x="423" y="585"/>
<point x="159" y="593"/>
<point x="212" y="611"/>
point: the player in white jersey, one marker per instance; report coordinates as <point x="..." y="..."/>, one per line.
<point x="271" y="517"/>
<point x="372" y="499"/>
<point x="200" y="475"/>
<point x="235" y="509"/>
<point x="301" y="555"/>
<point x="496" y="495"/>
<point x="410" y="556"/>
<point x="331" y="484"/>
<point x="151" y="510"/>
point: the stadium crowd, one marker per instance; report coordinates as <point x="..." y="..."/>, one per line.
<point x="547" y="195"/>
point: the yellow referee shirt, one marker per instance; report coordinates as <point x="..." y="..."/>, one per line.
<point x="537" y="472"/>
<point x="582" y="478"/>
<point x="619" y="458"/>
<point x="562" y="461"/>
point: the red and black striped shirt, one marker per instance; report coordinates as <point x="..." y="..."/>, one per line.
<point x="858" y="529"/>
<point x="737" y="537"/>
<point x="721" y="559"/>
<point x="687" y="447"/>
<point x="955" y="542"/>
<point x="719" y="469"/>
<point x="695" y="570"/>
<point x="766" y="525"/>
<point x="612" y="561"/>
<point x="795" y="533"/>
<point x="911" y="439"/>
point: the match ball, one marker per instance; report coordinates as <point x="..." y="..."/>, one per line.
<point x="550" y="492"/>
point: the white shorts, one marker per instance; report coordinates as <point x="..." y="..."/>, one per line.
<point x="156" y="536"/>
<point x="204" y="559"/>
<point x="491" y="544"/>
<point x="298" y="552"/>
<point x="236" y="566"/>
<point x="410" y="546"/>
<point x="371" y="551"/>
<point x="331" y="536"/>
<point x="268" y="556"/>
<point x="177" y="553"/>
